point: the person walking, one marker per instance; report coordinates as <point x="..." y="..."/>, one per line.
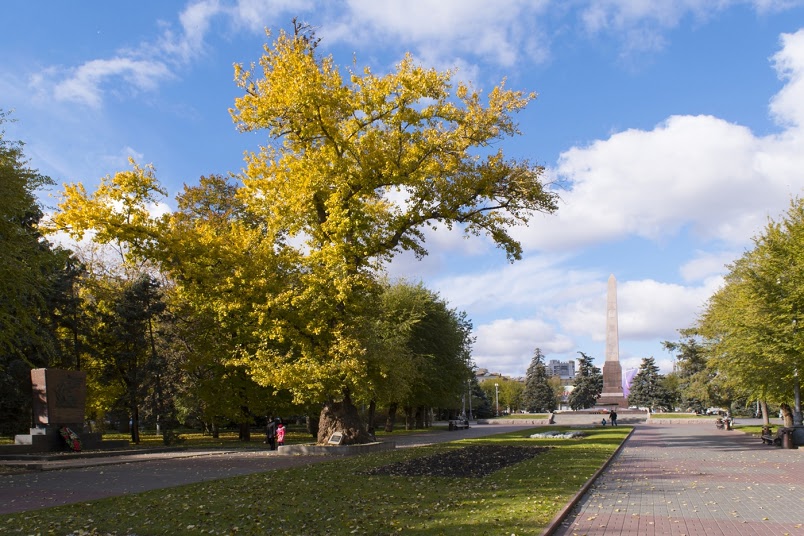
<point x="613" y="417"/>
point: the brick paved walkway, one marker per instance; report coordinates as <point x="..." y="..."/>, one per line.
<point x="694" y="480"/>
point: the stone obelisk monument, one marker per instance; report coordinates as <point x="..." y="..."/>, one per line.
<point x="612" y="370"/>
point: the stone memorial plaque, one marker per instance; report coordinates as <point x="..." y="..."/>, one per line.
<point x="59" y="396"/>
<point x="335" y="439"/>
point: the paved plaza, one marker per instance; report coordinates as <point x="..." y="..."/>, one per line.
<point x="694" y="480"/>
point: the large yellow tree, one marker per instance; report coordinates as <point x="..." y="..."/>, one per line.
<point x="354" y="168"/>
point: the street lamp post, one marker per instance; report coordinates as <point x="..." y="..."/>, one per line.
<point x="497" y="397"/>
<point x="470" y="398"/>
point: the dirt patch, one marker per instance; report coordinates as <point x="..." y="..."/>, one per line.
<point x="473" y="461"/>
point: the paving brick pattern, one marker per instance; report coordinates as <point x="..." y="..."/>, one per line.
<point x="688" y="480"/>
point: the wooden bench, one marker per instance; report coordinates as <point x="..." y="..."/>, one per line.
<point x="768" y="438"/>
<point x="458" y="424"/>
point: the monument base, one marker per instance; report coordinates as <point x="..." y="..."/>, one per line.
<point x="612" y="400"/>
<point x="48" y="439"/>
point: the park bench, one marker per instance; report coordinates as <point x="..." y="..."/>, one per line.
<point x="770" y="439"/>
<point x="458" y="424"/>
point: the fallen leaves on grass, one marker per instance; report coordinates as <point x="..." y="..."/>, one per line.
<point x="472" y="461"/>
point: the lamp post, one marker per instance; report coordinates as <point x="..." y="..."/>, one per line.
<point x="797" y="417"/>
<point x="469" y="382"/>
<point x="497" y="398"/>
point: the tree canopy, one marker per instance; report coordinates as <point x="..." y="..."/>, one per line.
<point x="750" y="328"/>
<point x="288" y="258"/>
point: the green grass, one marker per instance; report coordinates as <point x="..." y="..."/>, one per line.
<point x="336" y="497"/>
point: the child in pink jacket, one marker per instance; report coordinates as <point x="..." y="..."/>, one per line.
<point x="280" y="434"/>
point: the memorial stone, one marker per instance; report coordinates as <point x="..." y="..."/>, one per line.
<point x="612" y="394"/>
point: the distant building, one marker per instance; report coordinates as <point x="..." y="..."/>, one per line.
<point x="563" y="369"/>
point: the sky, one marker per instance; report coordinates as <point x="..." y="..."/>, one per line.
<point x="672" y="131"/>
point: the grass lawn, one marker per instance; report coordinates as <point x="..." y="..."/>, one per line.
<point x="337" y="497"/>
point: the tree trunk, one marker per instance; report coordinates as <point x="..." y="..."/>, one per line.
<point x="135" y="423"/>
<point x="312" y="425"/>
<point x="391" y="419"/>
<point x="371" y="411"/>
<point x="420" y="417"/>
<point x="245" y="431"/>
<point x="216" y="432"/>
<point x="342" y="417"/>
<point x="409" y="418"/>
<point x="245" y="424"/>
<point x="763" y="405"/>
<point x="787" y="415"/>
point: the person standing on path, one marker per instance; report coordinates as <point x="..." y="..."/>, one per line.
<point x="613" y="417"/>
<point x="280" y="435"/>
<point x="270" y="434"/>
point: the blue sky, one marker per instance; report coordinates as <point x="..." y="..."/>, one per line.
<point x="675" y="128"/>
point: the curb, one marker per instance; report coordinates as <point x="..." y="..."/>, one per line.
<point x="564" y="512"/>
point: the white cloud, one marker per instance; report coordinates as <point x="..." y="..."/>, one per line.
<point x="697" y="171"/>
<point x="131" y="70"/>
<point x="706" y="264"/>
<point x="256" y="15"/>
<point x="86" y="83"/>
<point x="640" y="24"/>
<point x="507" y="345"/>
<point x="787" y="106"/>
<point x="447" y="28"/>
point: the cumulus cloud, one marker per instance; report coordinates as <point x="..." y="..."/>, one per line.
<point x="448" y="28"/>
<point x="85" y="85"/>
<point x="642" y="23"/>
<point x="507" y="345"/>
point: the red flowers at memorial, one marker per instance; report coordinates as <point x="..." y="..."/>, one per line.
<point x="72" y="439"/>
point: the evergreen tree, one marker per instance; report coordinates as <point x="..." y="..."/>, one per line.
<point x="588" y="384"/>
<point x="648" y="388"/>
<point x="538" y="396"/>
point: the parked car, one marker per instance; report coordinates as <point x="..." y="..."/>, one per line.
<point x="716" y="411"/>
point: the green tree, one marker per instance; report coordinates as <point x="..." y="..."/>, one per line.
<point x="751" y="325"/>
<point x="132" y="346"/>
<point x="588" y="384"/>
<point x="538" y="395"/>
<point x="483" y="405"/>
<point x="697" y="383"/>
<point x="507" y="390"/>
<point x="442" y="343"/>
<point x="649" y="388"/>
<point x="32" y="286"/>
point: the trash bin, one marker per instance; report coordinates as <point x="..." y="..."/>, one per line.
<point x="787" y="438"/>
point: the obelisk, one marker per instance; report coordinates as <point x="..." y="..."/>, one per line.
<point x="612" y="370"/>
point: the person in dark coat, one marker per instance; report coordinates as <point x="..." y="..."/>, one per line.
<point x="270" y="434"/>
<point x="613" y="417"/>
